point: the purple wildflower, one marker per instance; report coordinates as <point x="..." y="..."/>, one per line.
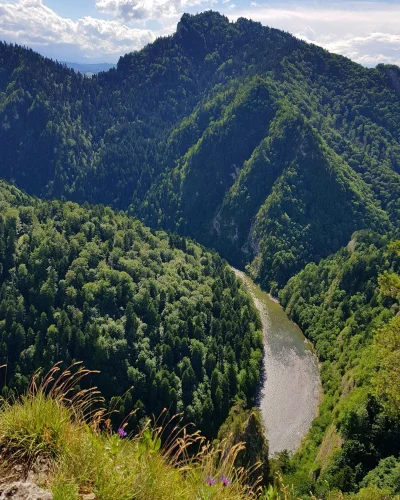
<point x="211" y="481"/>
<point x="122" y="433"/>
<point x="225" y="481"/>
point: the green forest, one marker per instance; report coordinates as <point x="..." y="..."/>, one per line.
<point x="126" y="196"/>
<point x="165" y="321"/>
<point x="166" y="136"/>
<point x="348" y="306"/>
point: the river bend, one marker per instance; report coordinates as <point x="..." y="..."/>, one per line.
<point x="291" y="383"/>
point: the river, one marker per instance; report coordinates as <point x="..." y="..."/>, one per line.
<point x="291" y="383"/>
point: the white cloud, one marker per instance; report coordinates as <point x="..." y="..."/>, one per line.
<point x="367" y="32"/>
<point x="148" y="9"/>
<point x="30" y="22"/>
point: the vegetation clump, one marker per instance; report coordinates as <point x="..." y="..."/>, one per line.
<point x="72" y="433"/>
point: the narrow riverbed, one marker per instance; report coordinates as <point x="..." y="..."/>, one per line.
<point x="291" y="382"/>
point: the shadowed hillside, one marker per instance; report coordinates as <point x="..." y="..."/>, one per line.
<point x="222" y="131"/>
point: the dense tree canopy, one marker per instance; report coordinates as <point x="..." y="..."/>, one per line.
<point x="271" y="150"/>
<point x="344" y="307"/>
<point x="151" y="311"/>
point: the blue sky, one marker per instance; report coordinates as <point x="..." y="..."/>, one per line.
<point x="101" y="30"/>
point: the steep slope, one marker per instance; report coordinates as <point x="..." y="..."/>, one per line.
<point x="346" y="311"/>
<point x="314" y="205"/>
<point x="165" y="321"/>
<point x="293" y="201"/>
<point x="188" y="196"/>
<point x="120" y="115"/>
<point x="168" y="132"/>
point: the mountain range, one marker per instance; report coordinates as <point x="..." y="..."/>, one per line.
<point x="271" y="150"/>
<point x="89" y="69"/>
<point x="280" y="156"/>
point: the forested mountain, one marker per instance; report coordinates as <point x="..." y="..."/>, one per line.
<point x="281" y="156"/>
<point x="166" y="322"/>
<point x="271" y="150"/>
<point x="348" y="306"/>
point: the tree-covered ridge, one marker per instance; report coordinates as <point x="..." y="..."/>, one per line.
<point x="292" y="202"/>
<point x="197" y="133"/>
<point x="150" y="310"/>
<point x="347" y="313"/>
<point x="121" y="115"/>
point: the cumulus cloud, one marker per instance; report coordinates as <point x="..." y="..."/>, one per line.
<point x="367" y="32"/>
<point x="147" y="9"/>
<point x="30" y="22"/>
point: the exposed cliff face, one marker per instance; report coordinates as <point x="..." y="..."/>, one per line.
<point x="394" y="74"/>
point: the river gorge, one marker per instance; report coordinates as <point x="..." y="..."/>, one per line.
<point x="291" y="384"/>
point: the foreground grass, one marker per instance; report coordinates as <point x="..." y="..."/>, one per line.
<point x="70" y="433"/>
<point x="85" y="456"/>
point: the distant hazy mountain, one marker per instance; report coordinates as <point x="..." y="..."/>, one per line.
<point x="89" y="69"/>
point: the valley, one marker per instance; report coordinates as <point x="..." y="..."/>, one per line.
<point x="123" y="197"/>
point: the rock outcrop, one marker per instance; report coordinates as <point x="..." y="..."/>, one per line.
<point x="23" y="491"/>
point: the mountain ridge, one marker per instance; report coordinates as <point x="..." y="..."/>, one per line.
<point x="166" y="132"/>
<point x="196" y="75"/>
<point x="272" y="151"/>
